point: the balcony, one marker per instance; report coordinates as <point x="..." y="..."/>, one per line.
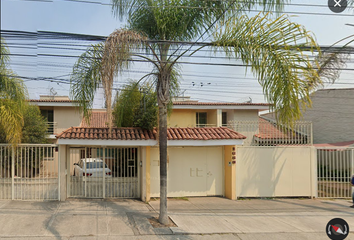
<point x="205" y="125"/>
<point x="52" y="128"/>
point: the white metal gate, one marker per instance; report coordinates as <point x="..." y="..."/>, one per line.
<point x="334" y="170"/>
<point x="103" y="172"/>
<point x="29" y="172"/>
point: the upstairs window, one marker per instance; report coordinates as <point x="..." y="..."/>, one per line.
<point x="224" y="119"/>
<point x="201" y="119"/>
<point x="49" y="116"/>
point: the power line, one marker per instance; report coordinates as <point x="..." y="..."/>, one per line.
<point x="248" y="10"/>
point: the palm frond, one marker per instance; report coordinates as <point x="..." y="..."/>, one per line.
<point x="11" y="120"/>
<point x="117" y="52"/>
<point x="333" y="59"/>
<point x="274" y="51"/>
<point x="4" y="54"/>
<point x="12" y="87"/>
<point x="13" y="94"/>
<point x="86" y="77"/>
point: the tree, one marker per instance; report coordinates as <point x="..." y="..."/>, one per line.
<point x="13" y="95"/>
<point x="136" y="106"/>
<point x="274" y="50"/>
<point x="35" y="126"/>
<point x="34" y="129"/>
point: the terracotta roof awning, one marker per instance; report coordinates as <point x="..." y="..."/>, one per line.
<point x="52" y="100"/>
<point x="133" y="136"/>
<point x="219" y="103"/>
<point x="337" y="144"/>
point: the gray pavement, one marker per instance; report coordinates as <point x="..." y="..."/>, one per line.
<point x="196" y="218"/>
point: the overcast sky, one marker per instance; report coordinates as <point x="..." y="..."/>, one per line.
<point x="220" y="83"/>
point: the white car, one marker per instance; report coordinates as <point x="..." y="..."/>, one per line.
<point x="91" y="167"/>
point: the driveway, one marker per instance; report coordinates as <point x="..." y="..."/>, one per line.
<point x="196" y="218"/>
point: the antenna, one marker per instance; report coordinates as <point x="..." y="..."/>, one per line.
<point x="52" y="93"/>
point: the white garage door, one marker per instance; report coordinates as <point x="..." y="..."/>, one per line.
<point x="192" y="171"/>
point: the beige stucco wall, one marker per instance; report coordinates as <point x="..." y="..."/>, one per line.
<point x="192" y="171"/>
<point x="212" y="117"/>
<point x="51" y="166"/>
<point x="66" y="117"/>
<point x="275" y="171"/>
<point x="182" y="118"/>
<point x="145" y="173"/>
<point x="187" y="117"/>
<point x="245" y="115"/>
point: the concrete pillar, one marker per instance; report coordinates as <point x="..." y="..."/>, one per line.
<point x="219" y="117"/>
<point x="230" y="172"/>
<point x="145" y="176"/>
<point x="62" y="172"/>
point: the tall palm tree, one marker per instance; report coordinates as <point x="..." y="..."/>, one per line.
<point x="13" y="94"/>
<point x="275" y="49"/>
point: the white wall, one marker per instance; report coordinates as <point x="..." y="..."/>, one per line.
<point x="276" y="172"/>
<point x="192" y="171"/>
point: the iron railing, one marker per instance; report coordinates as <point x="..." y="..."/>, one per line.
<point x="266" y="133"/>
<point x="205" y="125"/>
<point x="29" y="172"/>
<point x="335" y="167"/>
<point x="52" y="128"/>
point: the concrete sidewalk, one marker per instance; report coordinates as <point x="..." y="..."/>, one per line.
<point x="197" y="218"/>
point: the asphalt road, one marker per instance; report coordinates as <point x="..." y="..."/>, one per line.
<point x="196" y="218"/>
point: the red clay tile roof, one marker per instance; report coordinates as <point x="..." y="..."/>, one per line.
<point x="213" y="133"/>
<point x="268" y="131"/>
<point x="51" y="100"/>
<point x="219" y="103"/>
<point x="337" y="144"/>
<point x="97" y="120"/>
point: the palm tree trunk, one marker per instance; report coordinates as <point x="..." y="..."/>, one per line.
<point x="163" y="218"/>
<point x="163" y="97"/>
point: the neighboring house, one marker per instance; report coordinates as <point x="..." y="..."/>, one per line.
<point x="268" y="133"/>
<point x="60" y="112"/>
<point x="332" y="115"/>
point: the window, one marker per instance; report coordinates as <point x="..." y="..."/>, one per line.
<point x="49" y="116"/>
<point x="224" y="119"/>
<point x="92" y="165"/>
<point x="201" y="119"/>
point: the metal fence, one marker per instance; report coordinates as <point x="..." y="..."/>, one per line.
<point x="334" y="170"/>
<point x="29" y="172"/>
<point x="103" y="172"/>
<point x="266" y="133"/>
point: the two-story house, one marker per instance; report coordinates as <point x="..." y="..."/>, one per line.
<point x="201" y="152"/>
